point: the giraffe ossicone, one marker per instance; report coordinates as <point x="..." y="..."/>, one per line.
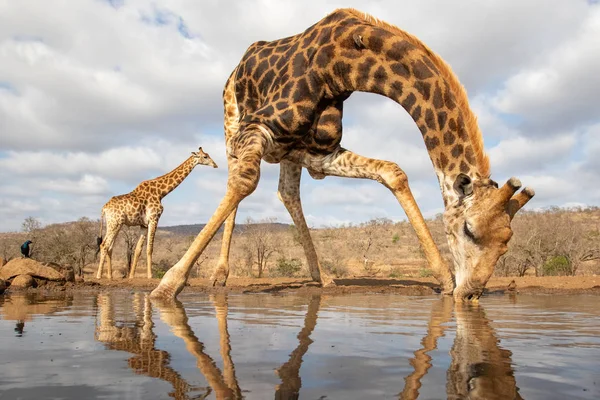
<point x="142" y="207"/>
<point x="284" y="104"/>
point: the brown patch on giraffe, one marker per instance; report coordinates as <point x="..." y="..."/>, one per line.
<point x="464" y="168"/>
<point x="342" y="70"/>
<point x="400" y="69"/>
<point x="469" y="155"/>
<point x="449" y="138"/>
<point x="266" y="111"/>
<point x="431" y="143"/>
<point x="399" y="50"/>
<point x="452" y="124"/>
<point x="395" y="90"/>
<point x="380" y="75"/>
<point x="438" y="101"/>
<point x="409" y="102"/>
<point x="442" y="117"/>
<point x="424" y="88"/>
<point x="443" y="161"/>
<point x="457" y="150"/>
<point x="375" y="43"/>
<point x="364" y="68"/>
<point x="302" y="91"/>
<point x="449" y="98"/>
<point x="430" y="119"/>
<point x="416" y="113"/>
<point x="420" y="70"/>
<point x="324" y="55"/>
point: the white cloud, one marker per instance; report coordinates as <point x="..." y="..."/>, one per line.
<point x="96" y="98"/>
<point x="522" y="153"/>
<point x="560" y="89"/>
<point x="87" y="185"/>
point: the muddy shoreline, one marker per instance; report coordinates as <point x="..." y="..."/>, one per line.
<point x="402" y="286"/>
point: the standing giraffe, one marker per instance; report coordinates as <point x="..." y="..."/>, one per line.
<point x="284" y="103"/>
<point x="142" y="207"/>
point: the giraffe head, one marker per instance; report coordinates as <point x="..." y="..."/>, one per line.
<point x="478" y="229"/>
<point x="202" y="158"/>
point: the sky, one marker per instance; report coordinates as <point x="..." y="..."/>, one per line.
<point x="99" y="95"/>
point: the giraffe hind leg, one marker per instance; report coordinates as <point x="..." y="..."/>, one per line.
<point x="347" y="164"/>
<point x="106" y="246"/>
<point x="138" y="252"/>
<point x="150" y="247"/>
<point x="221" y="272"/>
<point x="289" y="194"/>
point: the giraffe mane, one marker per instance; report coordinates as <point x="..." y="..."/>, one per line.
<point x="462" y="100"/>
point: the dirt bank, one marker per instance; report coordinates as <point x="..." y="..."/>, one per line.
<point x="408" y="286"/>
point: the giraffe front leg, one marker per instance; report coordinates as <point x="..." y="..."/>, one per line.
<point x="221" y="272"/>
<point x="149" y="247"/>
<point x="109" y="263"/>
<point x="289" y="194"/>
<point x="136" y="255"/>
<point x="244" y="174"/>
<point x="345" y="163"/>
<point x="101" y="263"/>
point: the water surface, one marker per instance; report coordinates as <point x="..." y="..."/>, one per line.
<point x="120" y="345"/>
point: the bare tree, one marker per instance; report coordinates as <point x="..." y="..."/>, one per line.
<point x="84" y="241"/>
<point x="370" y="235"/>
<point x="261" y="242"/>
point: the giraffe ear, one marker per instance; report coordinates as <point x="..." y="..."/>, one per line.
<point x="463" y="185"/>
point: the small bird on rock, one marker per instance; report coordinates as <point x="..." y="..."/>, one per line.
<point x="25" y="248"/>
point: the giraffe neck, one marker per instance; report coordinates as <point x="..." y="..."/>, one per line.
<point x="372" y="56"/>
<point x="165" y="184"/>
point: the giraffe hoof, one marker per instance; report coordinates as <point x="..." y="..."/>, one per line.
<point x="327" y="282"/>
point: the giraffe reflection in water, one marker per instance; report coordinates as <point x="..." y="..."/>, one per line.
<point x="479" y="367"/>
<point x="139" y="339"/>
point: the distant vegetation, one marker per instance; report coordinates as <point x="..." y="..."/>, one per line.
<point x="547" y="243"/>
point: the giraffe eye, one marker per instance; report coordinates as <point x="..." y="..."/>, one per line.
<point x="469" y="232"/>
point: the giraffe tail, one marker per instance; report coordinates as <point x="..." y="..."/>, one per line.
<point x="99" y="238"/>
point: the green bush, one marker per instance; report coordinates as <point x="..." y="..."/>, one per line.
<point x="160" y="268"/>
<point x="556" y="266"/>
<point x="395" y="238"/>
<point x="396" y="272"/>
<point x="287" y="267"/>
<point x="425" y="273"/>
